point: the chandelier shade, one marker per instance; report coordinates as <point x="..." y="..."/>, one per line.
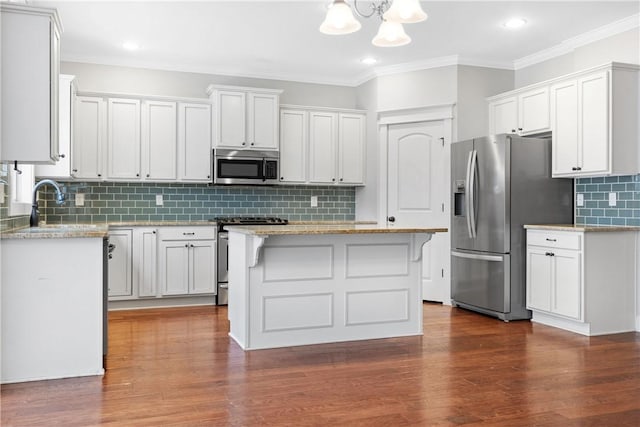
<point x="339" y="20"/>
<point x="405" y="12"/>
<point x="391" y="34"/>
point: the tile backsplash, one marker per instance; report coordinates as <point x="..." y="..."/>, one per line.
<point x="596" y="209"/>
<point x="120" y="202"/>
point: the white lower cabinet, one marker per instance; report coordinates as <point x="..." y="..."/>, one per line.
<point x="121" y="263"/>
<point x="156" y="262"/>
<point x="187" y="260"/>
<point x="582" y="281"/>
<point x="145" y="265"/>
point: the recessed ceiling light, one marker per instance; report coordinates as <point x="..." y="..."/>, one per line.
<point x="515" y="23"/>
<point x="369" y="60"/>
<point x="130" y="46"/>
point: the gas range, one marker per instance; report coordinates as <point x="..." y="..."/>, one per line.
<point x="247" y="220"/>
<point x="223" y="247"/>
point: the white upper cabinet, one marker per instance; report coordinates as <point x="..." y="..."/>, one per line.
<point x="89" y="133"/>
<point x="194" y="142"/>
<point x="146" y="139"/>
<point x="322" y="146"/>
<point x="594" y="122"/>
<point x="123" y="142"/>
<point x="245" y="118"/>
<point x="30" y="43"/>
<point x="503" y="115"/>
<point x="351" y="148"/>
<point x="62" y="168"/>
<point x="523" y="113"/>
<point x="159" y="140"/>
<point x="323" y="139"/>
<point x="263" y="121"/>
<point x="294" y="143"/>
<point x="592" y="116"/>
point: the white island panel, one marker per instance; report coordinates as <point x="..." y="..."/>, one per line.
<point x="287" y="290"/>
<point x="52" y="308"/>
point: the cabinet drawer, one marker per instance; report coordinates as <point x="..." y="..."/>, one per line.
<point x="568" y="240"/>
<point x="187" y="233"/>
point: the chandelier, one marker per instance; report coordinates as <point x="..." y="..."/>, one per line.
<point x="393" y="13"/>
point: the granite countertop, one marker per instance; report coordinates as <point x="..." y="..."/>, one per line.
<point x="580" y="227"/>
<point x="59" y="231"/>
<point x="332" y="228"/>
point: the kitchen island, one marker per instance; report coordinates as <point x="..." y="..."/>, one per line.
<point x="53" y="302"/>
<point x="319" y="283"/>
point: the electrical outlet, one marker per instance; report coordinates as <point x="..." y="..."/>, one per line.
<point x="79" y="199"/>
<point x="159" y="201"/>
<point x="314" y="201"/>
<point x="612" y="199"/>
<point x="579" y="199"/>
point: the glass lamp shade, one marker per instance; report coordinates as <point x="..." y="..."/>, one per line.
<point x="405" y="12"/>
<point x="339" y="20"/>
<point x="391" y="34"/>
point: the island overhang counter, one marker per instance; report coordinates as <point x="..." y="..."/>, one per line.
<point x="319" y="283"/>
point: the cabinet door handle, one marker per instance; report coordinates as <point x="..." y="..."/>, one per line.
<point x="341" y="179"/>
<point x="391" y="219"/>
<point x="154" y="231"/>
<point x="74" y="170"/>
<point x="333" y="179"/>
<point x="99" y="174"/>
<point x="551" y="240"/>
<point x="549" y="254"/>
<point x="576" y="168"/>
<point x="186" y="245"/>
<point x="520" y="129"/>
<point x="244" y="143"/>
<point x="148" y="175"/>
<point x="191" y="246"/>
<point x="252" y="143"/>
<point x="513" y="131"/>
<point x="62" y="156"/>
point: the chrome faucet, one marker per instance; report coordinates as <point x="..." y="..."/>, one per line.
<point x="35" y="213"/>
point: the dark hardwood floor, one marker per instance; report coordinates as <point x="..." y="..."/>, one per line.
<point x="178" y="367"/>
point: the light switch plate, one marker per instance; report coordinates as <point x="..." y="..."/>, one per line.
<point x="314" y="201"/>
<point x="159" y="201"/>
<point x="79" y="199"/>
<point x="612" y="199"/>
<point x="579" y="199"/>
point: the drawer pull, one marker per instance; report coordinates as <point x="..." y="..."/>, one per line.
<point x="551" y="240"/>
<point x="188" y="234"/>
<point x="549" y="254"/>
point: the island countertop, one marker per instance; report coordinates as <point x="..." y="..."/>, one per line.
<point x="333" y="228"/>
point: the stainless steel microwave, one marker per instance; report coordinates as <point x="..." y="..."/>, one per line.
<point x="245" y="167"/>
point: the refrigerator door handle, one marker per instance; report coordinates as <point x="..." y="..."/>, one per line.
<point x="472" y="194"/>
<point x="467" y="194"/>
<point x="478" y="257"/>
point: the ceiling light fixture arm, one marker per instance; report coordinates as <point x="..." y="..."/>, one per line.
<point x="376" y="8"/>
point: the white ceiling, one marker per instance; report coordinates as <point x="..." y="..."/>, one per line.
<point x="280" y="39"/>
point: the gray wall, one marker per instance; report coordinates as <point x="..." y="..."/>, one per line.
<point x="422" y="88"/>
<point x="367" y="197"/>
<point x="475" y="84"/>
<point x="623" y="47"/>
<point x="107" y="78"/>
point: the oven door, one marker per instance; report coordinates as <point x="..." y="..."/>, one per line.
<point x="238" y="170"/>
<point x="223" y="268"/>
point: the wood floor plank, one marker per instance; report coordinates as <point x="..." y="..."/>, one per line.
<point x="179" y="367"/>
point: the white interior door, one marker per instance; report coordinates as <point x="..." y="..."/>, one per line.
<point x="417" y="174"/>
<point x="417" y="194"/>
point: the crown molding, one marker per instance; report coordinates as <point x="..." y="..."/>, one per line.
<point x="150" y="65"/>
<point x="443" y="61"/>
<point x="569" y="45"/>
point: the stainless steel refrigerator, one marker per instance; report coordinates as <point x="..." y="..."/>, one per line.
<point x="500" y="183"/>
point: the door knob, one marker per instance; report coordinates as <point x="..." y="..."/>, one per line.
<point x="392" y="219"/>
